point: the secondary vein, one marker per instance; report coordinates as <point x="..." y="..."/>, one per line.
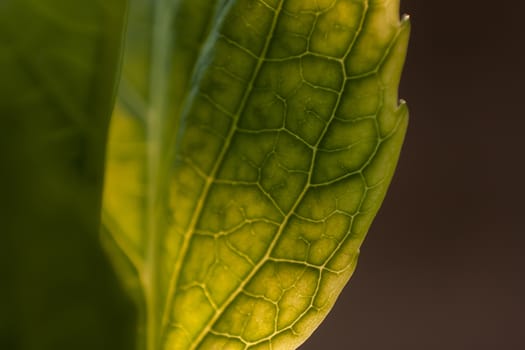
<point x="210" y="179"/>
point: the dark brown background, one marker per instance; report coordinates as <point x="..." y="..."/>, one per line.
<point x="443" y="265"/>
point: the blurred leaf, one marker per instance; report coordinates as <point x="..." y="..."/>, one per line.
<point x="58" y="66"/>
<point x="237" y="196"/>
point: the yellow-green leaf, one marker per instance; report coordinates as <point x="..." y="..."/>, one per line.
<point x="241" y="195"/>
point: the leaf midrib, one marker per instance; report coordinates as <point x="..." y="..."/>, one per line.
<point x="161" y="44"/>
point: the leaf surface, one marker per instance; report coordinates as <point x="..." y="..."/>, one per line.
<point x="249" y="194"/>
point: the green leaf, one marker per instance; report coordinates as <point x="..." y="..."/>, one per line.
<point x="58" y="64"/>
<point x="236" y="199"/>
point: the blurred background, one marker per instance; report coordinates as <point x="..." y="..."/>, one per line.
<point x="443" y="265"/>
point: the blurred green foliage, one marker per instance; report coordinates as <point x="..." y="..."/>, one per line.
<point x="58" y="63"/>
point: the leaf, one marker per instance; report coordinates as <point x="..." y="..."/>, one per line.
<point x="58" y="64"/>
<point x="143" y="125"/>
<point x="240" y="197"/>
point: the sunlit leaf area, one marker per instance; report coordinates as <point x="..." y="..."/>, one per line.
<point x="190" y="174"/>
